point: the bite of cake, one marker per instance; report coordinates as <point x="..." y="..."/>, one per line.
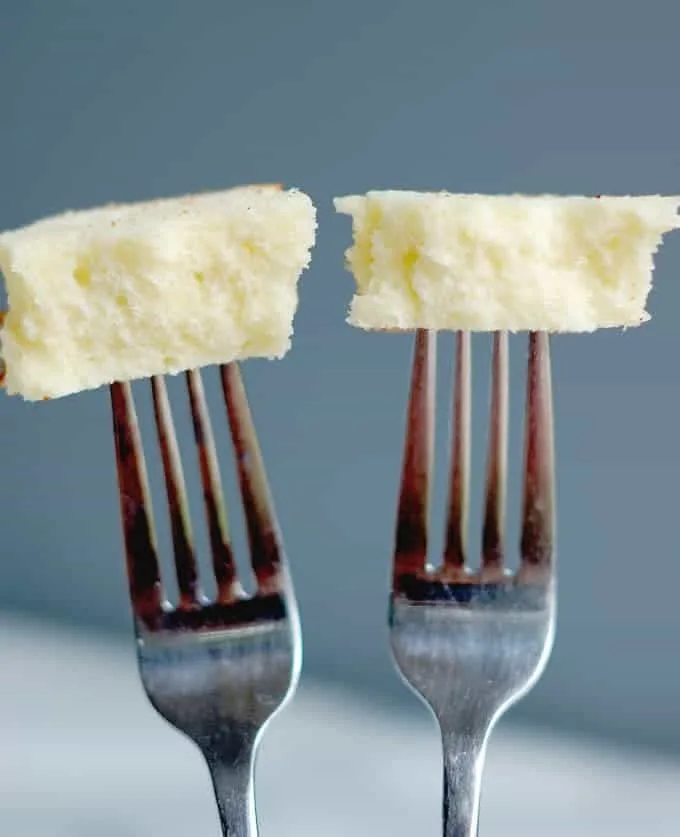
<point x="495" y="262"/>
<point x="132" y="290"/>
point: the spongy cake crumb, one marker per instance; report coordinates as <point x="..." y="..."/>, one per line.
<point x="492" y="262"/>
<point x="128" y="291"/>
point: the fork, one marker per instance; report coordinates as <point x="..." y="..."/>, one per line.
<point x="471" y="643"/>
<point x="216" y="670"/>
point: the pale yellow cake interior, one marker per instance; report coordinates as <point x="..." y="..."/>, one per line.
<point x="494" y="262"/>
<point x="129" y="291"/>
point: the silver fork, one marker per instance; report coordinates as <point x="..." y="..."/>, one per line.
<point x="471" y="643"/>
<point x="218" y="671"/>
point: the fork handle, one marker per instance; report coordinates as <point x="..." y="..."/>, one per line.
<point x="234" y="792"/>
<point x="463" y="764"/>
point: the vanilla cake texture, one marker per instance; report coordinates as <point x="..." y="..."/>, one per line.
<point x="447" y="261"/>
<point x="133" y="290"/>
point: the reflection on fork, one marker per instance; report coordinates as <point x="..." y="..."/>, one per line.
<point x="472" y="641"/>
<point x="217" y="670"/>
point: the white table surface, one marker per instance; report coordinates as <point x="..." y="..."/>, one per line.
<point x="83" y="754"/>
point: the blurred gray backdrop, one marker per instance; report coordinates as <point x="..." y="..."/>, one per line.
<point x="104" y="101"/>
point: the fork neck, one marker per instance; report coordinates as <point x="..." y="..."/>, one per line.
<point x="463" y="763"/>
<point x="234" y="792"/>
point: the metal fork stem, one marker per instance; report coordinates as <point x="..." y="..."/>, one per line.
<point x="463" y="764"/>
<point x="233" y="784"/>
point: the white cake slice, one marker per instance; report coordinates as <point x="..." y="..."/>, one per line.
<point x="494" y="262"/>
<point x="134" y="290"/>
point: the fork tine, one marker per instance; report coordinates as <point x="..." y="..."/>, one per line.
<point x="135" y="505"/>
<point x="266" y="549"/>
<point x="215" y="509"/>
<point x="456" y="524"/>
<point x="182" y="540"/>
<point x="539" y="493"/>
<point x="410" y="552"/>
<point x="493" y="532"/>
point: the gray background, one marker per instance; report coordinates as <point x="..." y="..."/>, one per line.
<point x="126" y="100"/>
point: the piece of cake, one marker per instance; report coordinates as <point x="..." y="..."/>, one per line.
<point x="495" y="262"/>
<point x="133" y="290"/>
